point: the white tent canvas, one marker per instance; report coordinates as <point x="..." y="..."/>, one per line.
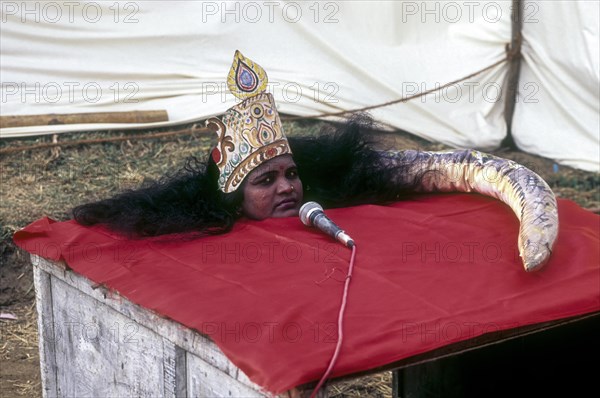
<point x="321" y="57"/>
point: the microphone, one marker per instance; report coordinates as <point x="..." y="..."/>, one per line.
<point x="312" y="215"/>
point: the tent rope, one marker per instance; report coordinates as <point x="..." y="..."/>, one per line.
<point x="65" y="144"/>
<point x="510" y="55"/>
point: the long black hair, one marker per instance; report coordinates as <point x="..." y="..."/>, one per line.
<point x="337" y="168"/>
<point x="341" y="168"/>
<point x="188" y="200"/>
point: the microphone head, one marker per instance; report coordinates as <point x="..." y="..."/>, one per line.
<point x="307" y="210"/>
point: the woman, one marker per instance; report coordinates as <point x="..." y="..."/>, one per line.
<point x="191" y="200"/>
<point x="251" y="172"/>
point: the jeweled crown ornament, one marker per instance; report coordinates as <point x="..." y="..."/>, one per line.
<point x="250" y="132"/>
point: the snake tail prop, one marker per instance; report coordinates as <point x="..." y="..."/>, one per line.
<point x="527" y="194"/>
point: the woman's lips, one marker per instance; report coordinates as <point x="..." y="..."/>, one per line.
<point x="286" y="204"/>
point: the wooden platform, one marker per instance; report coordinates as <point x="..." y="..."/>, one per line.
<point x="94" y="343"/>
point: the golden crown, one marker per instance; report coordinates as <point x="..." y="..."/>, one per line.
<point x="249" y="133"/>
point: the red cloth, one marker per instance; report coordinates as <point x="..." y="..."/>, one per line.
<point x="429" y="272"/>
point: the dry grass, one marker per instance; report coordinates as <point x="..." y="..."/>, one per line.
<point x="49" y="182"/>
<point x="20" y="346"/>
<point x="374" y="386"/>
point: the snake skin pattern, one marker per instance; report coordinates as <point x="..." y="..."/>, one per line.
<point x="528" y="195"/>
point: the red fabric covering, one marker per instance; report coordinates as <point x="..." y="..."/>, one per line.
<point x="429" y="272"/>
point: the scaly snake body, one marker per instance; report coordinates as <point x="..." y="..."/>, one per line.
<point x="528" y="195"/>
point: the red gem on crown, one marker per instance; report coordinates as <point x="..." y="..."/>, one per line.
<point x="216" y="155"/>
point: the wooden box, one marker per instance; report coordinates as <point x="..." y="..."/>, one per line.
<point x="95" y="343"/>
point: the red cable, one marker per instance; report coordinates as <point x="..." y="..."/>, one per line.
<point x="340" y="326"/>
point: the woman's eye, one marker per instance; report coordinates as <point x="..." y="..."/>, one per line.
<point x="267" y="181"/>
<point x="292" y="174"/>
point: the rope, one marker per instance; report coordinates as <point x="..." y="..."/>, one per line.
<point x="338" y="346"/>
<point x="508" y="57"/>
<point x="65" y="144"/>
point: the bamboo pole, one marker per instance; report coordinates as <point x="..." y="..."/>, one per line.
<point x="84" y="118"/>
<point x="514" y="55"/>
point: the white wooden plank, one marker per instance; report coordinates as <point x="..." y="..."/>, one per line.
<point x="101" y="353"/>
<point x="43" y="298"/>
<point x="207" y="381"/>
<point x="169" y="367"/>
<point x="175" y="376"/>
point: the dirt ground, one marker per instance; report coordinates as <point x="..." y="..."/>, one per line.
<point x="48" y="182"/>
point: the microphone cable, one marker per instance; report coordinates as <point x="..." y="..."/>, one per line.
<point x="338" y="345"/>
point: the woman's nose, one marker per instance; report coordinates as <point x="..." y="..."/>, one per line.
<point x="284" y="186"/>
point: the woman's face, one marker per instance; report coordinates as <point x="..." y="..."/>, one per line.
<point x="273" y="189"/>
